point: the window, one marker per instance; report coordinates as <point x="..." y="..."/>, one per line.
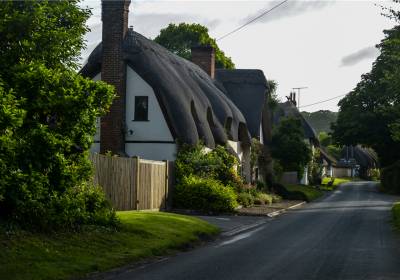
<point x="141" y="108"/>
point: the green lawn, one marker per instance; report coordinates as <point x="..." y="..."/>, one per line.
<point x="335" y="184"/>
<point x="62" y="256"/>
<point x="300" y="192"/>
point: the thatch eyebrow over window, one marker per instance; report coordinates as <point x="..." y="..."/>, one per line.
<point x="141" y="108"/>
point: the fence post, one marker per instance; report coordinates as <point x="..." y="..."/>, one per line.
<point x="166" y="183"/>
<point x="137" y="160"/>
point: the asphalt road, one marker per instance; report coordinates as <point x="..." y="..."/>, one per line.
<point x="347" y="235"/>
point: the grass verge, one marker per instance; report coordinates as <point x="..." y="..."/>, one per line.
<point x="336" y="182"/>
<point x="142" y="235"/>
<point x="300" y="192"/>
<point x="396" y="215"/>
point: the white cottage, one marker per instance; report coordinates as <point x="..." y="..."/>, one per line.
<point x="162" y="99"/>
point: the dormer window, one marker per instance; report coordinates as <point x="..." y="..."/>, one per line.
<point x="141" y="108"/>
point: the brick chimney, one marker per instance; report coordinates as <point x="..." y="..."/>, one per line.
<point x="204" y="56"/>
<point x="113" y="71"/>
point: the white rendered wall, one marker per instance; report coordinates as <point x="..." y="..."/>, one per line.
<point x="261" y="134"/>
<point x="156" y="128"/>
<point x="152" y="151"/>
<point x="150" y="139"/>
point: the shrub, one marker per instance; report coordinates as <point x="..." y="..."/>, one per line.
<point x="390" y="178"/>
<point x="245" y="199"/>
<point x="263" y="199"/>
<point x="276" y="198"/>
<point x="204" y="194"/>
<point x="218" y="164"/>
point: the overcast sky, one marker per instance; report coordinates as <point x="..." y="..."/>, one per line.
<point x="323" y="45"/>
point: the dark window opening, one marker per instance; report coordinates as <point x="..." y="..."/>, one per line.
<point x="141" y="108"/>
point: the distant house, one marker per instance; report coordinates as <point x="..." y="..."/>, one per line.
<point x="164" y="100"/>
<point x="356" y="161"/>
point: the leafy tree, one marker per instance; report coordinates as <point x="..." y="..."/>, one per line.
<point x="47" y="117"/>
<point x="273" y="99"/>
<point x="289" y="147"/>
<point x="180" y="38"/>
<point x="320" y="120"/>
<point x="370" y="114"/>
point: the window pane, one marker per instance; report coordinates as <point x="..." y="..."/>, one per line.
<point x="141" y="108"/>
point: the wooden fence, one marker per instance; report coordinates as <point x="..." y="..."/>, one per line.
<point x="132" y="183"/>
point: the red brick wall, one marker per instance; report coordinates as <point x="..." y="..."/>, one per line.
<point x="113" y="71"/>
<point x="204" y="56"/>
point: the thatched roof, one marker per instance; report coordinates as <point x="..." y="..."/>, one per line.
<point x="247" y="88"/>
<point x="194" y="107"/>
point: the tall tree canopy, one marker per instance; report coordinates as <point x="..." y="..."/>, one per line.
<point x="47" y="116"/>
<point x="288" y="145"/>
<point x="180" y="38"/>
<point x="370" y="114"/>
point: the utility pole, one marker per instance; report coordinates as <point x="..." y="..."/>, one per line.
<point x="298" y="91"/>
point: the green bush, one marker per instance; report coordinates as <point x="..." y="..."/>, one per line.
<point x="263" y="199"/>
<point x="204" y="194"/>
<point x="218" y="164"/>
<point x="390" y="178"/>
<point x="396" y="215"/>
<point x="47" y="117"/>
<point x="276" y="198"/>
<point x="245" y="199"/>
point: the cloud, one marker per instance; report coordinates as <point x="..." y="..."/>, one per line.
<point x="288" y="9"/>
<point x="360" y="55"/>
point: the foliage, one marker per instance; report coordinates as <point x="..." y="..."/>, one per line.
<point x="47" y="117"/>
<point x="396" y="215"/>
<point x="390" y="178"/>
<point x="204" y="194"/>
<point x="335" y="151"/>
<point x="47" y="32"/>
<point x="370" y="113"/>
<point x="320" y="120"/>
<point x="258" y="156"/>
<point x="273" y="99"/>
<point x="375" y="174"/>
<point x="263" y="199"/>
<point x="288" y="145"/>
<point x="315" y="168"/>
<point x="278" y="170"/>
<point x="180" y="38"/>
<point x="324" y="139"/>
<point x="73" y="255"/>
<point x="245" y="199"/>
<point x="218" y="164"/>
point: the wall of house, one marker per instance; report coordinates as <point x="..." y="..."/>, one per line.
<point x="149" y="139"/>
<point x="244" y="158"/>
<point x="341" y="172"/>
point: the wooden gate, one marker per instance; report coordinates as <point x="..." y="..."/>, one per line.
<point x="132" y="183"/>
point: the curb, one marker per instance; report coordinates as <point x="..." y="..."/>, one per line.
<point x="241" y="229"/>
<point x="276" y="213"/>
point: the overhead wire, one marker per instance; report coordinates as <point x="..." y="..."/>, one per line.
<point x="323" y="101"/>
<point x="252" y="20"/>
